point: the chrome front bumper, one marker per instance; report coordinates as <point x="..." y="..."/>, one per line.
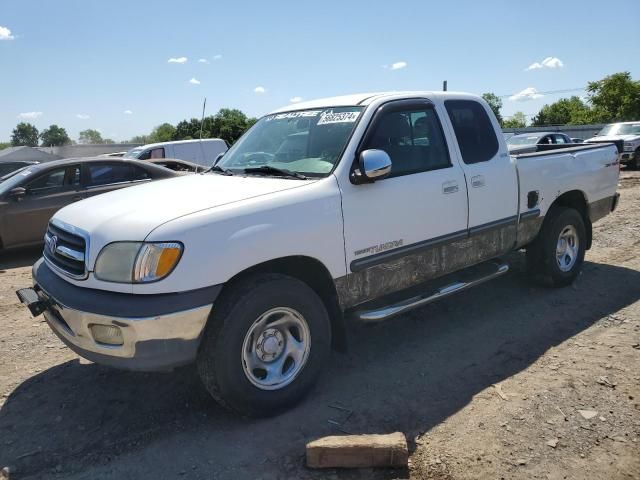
<point x="149" y="343"/>
<point x="158" y="332"/>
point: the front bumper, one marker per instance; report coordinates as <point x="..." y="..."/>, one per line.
<point x="159" y="332"/>
<point x="626" y="157"/>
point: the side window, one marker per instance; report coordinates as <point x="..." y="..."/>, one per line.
<point x="146" y="155"/>
<point x="108" y="173"/>
<point x="55" y="180"/>
<point x="412" y="138"/>
<point x="140" y="173"/>
<point x="560" y="139"/>
<point x="157" y="153"/>
<point x="474" y="130"/>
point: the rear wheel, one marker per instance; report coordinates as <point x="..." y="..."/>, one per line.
<point x="557" y="254"/>
<point x="265" y="345"/>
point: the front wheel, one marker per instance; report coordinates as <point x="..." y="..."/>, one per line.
<point x="265" y="345"/>
<point x="556" y="256"/>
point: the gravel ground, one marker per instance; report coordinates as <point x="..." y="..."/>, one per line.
<point x="507" y="380"/>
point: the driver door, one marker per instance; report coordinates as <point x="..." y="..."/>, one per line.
<point x="399" y="231"/>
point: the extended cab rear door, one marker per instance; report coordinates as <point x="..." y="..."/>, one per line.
<point x="491" y="178"/>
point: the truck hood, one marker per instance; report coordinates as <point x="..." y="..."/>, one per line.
<point x="132" y="213"/>
<point x="611" y="138"/>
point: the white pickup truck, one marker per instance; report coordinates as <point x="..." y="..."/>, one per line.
<point x="626" y="135"/>
<point x="355" y="207"/>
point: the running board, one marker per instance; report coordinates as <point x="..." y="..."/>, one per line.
<point x="388" y="311"/>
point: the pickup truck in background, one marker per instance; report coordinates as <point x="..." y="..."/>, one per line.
<point x="626" y="136"/>
<point x="356" y="207"/>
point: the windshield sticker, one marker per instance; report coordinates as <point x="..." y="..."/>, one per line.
<point x="301" y="114"/>
<point x="340" y="117"/>
<point x="26" y="172"/>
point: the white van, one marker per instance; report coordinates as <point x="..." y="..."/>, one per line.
<point x="203" y="152"/>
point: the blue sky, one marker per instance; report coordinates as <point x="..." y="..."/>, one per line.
<point x="83" y="64"/>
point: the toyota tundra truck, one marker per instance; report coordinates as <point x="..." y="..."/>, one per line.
<point x="353" y="208"/>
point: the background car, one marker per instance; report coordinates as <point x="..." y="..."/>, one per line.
<point x="31" y="196"/>
<point x="537" y="141"/>
<point x="203" y="152"/>
<point x="7" y="167"/>
<point x="177" y="165"/>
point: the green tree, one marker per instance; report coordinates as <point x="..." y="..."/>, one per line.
<point x="495" y="103"/>
<point x="4" y="145"/>
<point x="90" y="136"/>
<point x="615" y="98"/>
<point x="517" y="120"/>
<point x="229" y="124"/>
<point x="54" y="136"/>
<point x="24" y="134"/>
<point x="143" y="139"/>
<point x="190" y="129"/>
<point x="162" y="133"/>
<point x="566" y="111"/>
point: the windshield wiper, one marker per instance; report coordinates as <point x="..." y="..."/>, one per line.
<point x="277" y="172"/>
<point x="219" y="169"/>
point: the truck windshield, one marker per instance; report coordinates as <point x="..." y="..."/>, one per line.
<point x="621" y="129"/>
<point x="133" y="153"/>
<point x="308" y="142"/>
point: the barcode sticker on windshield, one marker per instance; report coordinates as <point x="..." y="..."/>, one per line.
<point x="26" y="173"/>
<point x="339" y="117"/>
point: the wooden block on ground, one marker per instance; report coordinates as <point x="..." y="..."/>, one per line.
<point x="355" y="451"/>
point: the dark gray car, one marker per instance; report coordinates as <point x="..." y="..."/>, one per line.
<point x="30" y="196"/>
<point x="537" y="141"/>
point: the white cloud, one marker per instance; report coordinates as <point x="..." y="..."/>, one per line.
<point x="83" y="116"/>
<point x="529" y="93"/>
<point x="549" y="62"/>
<point x="194" y="81"/>
<point x="203" y="60"/>
<point x="295" y="99"/>
<point x="398" y="65"/>
<point x="5" y="33"/>
<point x="30" y="115"/>
<point x="128" y="112"/>
<point x="260" y="89"/>
<point x="217" y="57"/>
<point x="177" y="60"/>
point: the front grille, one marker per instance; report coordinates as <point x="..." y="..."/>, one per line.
<point x="65" y="250"/>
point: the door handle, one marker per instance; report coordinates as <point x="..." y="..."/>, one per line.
<point x="477" y="181"/>
<point x="450" y="187"/>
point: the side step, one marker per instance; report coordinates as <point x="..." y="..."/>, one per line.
<point x="383" y="313"/>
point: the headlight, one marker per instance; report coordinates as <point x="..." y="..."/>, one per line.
<point x="628" y="146"/>
<point x="137" y="262"/>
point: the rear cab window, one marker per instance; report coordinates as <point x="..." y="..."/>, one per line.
<point x="474" y="131"/>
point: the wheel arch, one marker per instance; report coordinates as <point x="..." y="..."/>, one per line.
<point x="577" y="200"/>
<point x="316" y="275"/>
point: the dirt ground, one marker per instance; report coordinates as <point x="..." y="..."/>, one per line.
<point x="487" y="384"/>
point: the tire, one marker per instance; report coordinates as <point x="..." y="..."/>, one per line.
<point x="256" y="324"/>
<point x="545" y="259"/>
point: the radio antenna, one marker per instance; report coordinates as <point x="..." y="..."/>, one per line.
<point x="204" y="106"/>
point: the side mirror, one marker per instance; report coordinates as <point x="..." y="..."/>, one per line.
<point x="374" y="164"/>
<point x="17" y="193"/>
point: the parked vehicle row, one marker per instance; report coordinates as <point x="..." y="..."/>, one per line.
<point x="30" y="196"/>
<point x="363" y="206"/>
